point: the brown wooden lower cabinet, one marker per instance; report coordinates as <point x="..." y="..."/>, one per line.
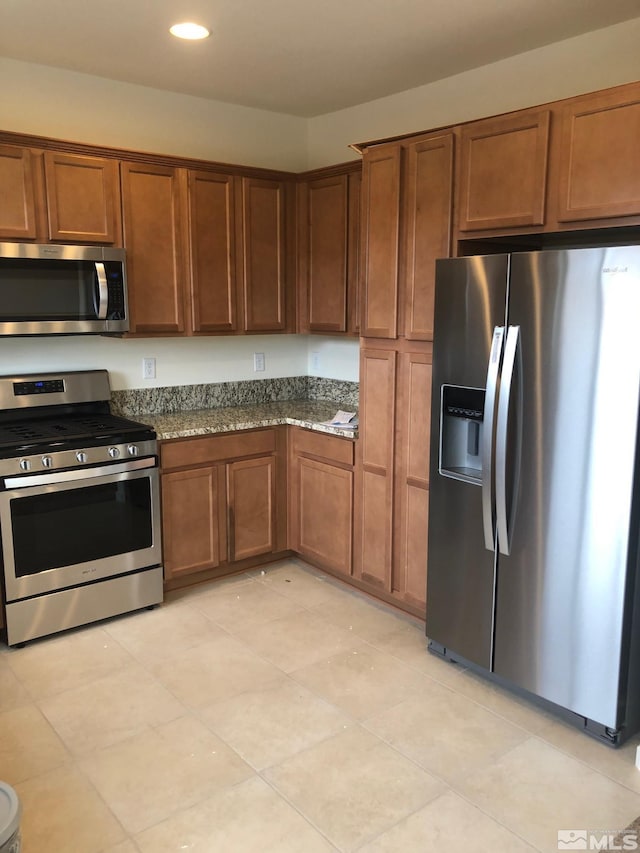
<point x="218" y="509"/>
<point x="392" y="489"/>
<point x="191" y="539"/>
<point x="413" y="421"/>
<point x="251" y="507"/>
<point x="240" y="499"/>
<point x="321" y="499"/>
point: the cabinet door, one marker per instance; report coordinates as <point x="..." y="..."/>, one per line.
<point x="503" y="171"/>
<point x="251" y="506"/>
<point x="83" y="198"/>
<point x="263" y="262"/>
<point x="328" y="210"/>
<point x="191" y="540"/>
<point x="212" y="252"/>
<point x="412" y="475"/>
<point x="380" y="236"/>
<point x="325" y="495"/>
<point x="17" y="190"/>
<point x="374" y="539"/>
<point x="353" y="253"/>
<point x="599" y="161"/>
<point x="153" y="230"/>
<point x="427" y="200"/>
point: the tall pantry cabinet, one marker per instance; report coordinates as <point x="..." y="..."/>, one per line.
<point x="407" y="189"/>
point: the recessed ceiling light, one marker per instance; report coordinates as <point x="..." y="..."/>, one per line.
<point x="189" y="31"/>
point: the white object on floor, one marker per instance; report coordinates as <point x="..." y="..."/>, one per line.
<point x="638" y="757"/>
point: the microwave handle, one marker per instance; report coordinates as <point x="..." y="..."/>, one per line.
<point x="103" y="291"/>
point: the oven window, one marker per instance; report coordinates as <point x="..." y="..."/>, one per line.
<point x="74" y="526"/>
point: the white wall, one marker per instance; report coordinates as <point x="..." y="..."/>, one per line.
<point x="335" y="358"/>
<point x="597" y="60"/>
<point x="182" y="362"/>
<point x="66" y="105"/>
<point x="48" y="101"/>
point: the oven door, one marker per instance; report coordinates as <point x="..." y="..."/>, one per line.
<point x="64" y="529"/>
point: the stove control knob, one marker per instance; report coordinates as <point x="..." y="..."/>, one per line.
<point x="132" y="450"/>
<point x="47" y="462"/>
<point x="25" y="465"/>
<point x="81" y="456"/>
<point x="114" y="452"/>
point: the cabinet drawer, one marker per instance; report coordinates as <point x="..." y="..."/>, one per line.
<point x="306" y="442"/>
<point x="180" y="453"/>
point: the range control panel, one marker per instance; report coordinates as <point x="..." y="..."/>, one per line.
<point x="41" y="386"/>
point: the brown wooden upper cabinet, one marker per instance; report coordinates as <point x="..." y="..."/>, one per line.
<point x="153" y="200"/>
<point x="212" y="251"/>
<point x="263" y="254"/>
<point x="58" y="197"/>
<point x="18" y="208"/>
<point x="407" y="191"/>
<point x="206" y="251"/>
<point x="598" y="157"/>
<point x="328" y="247"/>
<point x="503" y="171"/>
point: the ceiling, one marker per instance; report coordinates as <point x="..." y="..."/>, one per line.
<point x="291" y="56"/>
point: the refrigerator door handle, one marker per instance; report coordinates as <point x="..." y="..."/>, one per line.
<point x="488" y="502"/>
<point x="505" y="515"/>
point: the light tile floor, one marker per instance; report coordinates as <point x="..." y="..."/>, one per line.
<point x="280" y="710"/>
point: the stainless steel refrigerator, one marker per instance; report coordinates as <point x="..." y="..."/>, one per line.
<point x="534" y="488"/>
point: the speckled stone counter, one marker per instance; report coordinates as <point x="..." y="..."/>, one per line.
<point x="303" y="413"/>
<point x="185" y="410"/>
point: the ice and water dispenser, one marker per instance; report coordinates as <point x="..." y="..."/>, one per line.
<point x="461" y="414"/>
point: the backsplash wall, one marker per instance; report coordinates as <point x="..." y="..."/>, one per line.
<point x="137" y="402"/>
<point x="183" y="361"/>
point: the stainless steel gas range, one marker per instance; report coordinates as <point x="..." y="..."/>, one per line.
<point x="79" y="505"/>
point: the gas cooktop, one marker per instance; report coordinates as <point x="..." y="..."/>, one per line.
<point x="54" y="420"/>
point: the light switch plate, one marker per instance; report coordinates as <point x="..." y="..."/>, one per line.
<point x="258" y="361"/>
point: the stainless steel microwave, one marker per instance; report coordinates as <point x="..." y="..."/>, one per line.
<point x="51" y="289"/>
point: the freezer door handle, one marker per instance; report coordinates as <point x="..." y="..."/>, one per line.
<point x="507" y="397"/>
<point x="488" y="501"/>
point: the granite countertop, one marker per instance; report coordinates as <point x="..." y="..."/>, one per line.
<point x="303" y="413"/>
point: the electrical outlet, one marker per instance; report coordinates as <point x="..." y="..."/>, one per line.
<point x="258" y="361"/>
<point x="148" y="368"/>
<point x="315" y="362"/>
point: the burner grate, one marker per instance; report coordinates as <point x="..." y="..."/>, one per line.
<point x="69" y="428"/>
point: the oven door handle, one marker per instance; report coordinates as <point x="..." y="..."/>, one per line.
<point x="78" y="474"/>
